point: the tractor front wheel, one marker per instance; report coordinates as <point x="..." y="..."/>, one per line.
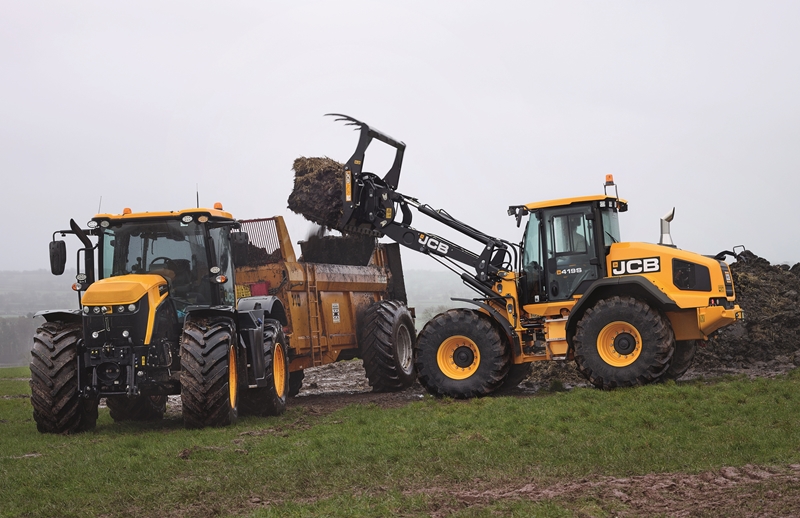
<point x="55" y="397"/>
<point x="460" y="354"/>
<point x="209" y="372"/>
<point x="621" y="342"/>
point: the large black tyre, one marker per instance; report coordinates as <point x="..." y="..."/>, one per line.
<point x="139" y="408"/>
<point x="681" y="360"/>
<point x="296" y="382"/>
<point x="460" y="354"/>
<point x="271" y="399"/>
<point x="57" y="405"/>
<point x="386" y="338"/>
<point x="622" y="342"/>
<point x="209" y="372"/>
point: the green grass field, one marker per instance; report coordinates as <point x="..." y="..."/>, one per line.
<point x="369" y="461"/>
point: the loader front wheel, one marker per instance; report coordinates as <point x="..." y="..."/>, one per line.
<point x="621" y="342"/>
<point x="209" y="372"/>
<point x="55" y="397"/>
<point x="386" y="338"/>
<point x="270" y="399"/>
<point x="139" y="408"/>
<point x="460" y="354"/>
<point x="682" y="359"/>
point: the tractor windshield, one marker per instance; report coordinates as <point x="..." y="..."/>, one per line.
<point x="170" y="248"/>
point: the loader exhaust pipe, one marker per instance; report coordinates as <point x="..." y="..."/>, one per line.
<point x="666" y="238"/>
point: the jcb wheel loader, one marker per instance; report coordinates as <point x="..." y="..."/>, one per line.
<point x="220" y="311"/>
<point x="627" y="313"/>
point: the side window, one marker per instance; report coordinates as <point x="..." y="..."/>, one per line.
<point x="571" y="234"/>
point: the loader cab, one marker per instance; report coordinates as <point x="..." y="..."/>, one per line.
<point x="190" y="249"/>
<point x="564" y="246"/>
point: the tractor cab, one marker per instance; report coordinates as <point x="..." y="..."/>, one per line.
<point x="565" y="245"/>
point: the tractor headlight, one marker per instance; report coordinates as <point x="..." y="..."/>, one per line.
<point x="120" y="309"/>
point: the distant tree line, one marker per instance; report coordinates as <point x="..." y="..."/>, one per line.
<point x="16" y="339"/>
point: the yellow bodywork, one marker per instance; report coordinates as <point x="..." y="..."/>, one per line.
<point x="127" y="289"/>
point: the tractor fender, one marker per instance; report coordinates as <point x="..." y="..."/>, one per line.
<point x="271" y="305"/>
<point x="634" y="286"/>
<point x="60" y="315"/>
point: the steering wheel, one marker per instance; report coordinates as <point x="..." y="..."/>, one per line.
<point x="167" y="263"/>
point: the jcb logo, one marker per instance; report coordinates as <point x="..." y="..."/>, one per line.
<point x="648" y="265"/>
<point x="433" y="244"/>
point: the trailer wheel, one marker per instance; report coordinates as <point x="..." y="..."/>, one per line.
<point x="460" y="354"/>
<point x="621" y="342"/>
<point x="386" y="338"/>
<point x="57" y="405"/>
<point x="681" y="360"/>
<point x="271" y="399"/>
<point x="139" y="408"/>
<point x="209" y="372"/>
<point x="296" y="382"/>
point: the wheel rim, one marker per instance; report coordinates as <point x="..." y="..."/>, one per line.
<point x="405" y="349"/>
<point x="279" y="370"/>
<point x="619" y="344"/>
<point x="458" y="357"/>
<point x="233" y="378"/>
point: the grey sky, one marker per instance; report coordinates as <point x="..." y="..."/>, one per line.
<point x="689" y="104"/>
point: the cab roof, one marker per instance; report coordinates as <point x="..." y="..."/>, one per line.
<point x="564" y="202"/>
<point x="127" y="214"/>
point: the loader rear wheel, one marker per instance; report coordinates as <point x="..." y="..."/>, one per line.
<point x="621" y="342"/>
<point x="57" y="405"/>
<point x="386" y="338"/>
<point x="139" y="408"/>
<point x="681" y="360"/>
<point x="209" y="372"/>
<point x="271" y="399"/>
<point x="296" y="382"/>
<point x="460" y="354"/>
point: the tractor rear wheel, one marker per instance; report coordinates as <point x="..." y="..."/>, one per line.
<point x="621" y="342"/>
<point x="57" y="405"/>
<point x="681" y="360"/>
<point x="270" y="399"/>
<point x="460" y="354"/>
<point x="209" y="372"/>
<point x="296" y="382"/>
<point x="139" y="408"/>
<point x="386" y="338"/>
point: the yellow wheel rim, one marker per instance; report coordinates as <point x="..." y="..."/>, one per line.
<point x="619" y="344"/>
<point x="233" y="378"/>
<point x="279" y="370"/>
<point x="458" y="357"/>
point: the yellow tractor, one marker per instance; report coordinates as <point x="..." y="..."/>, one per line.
<point x="627" y="313"/>
<point x="220" y="311"/>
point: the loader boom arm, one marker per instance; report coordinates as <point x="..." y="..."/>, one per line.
<point x="370" y="203"/>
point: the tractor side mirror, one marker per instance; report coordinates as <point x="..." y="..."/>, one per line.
<point x="240" y="242"/>
<point x="58" y="257"/>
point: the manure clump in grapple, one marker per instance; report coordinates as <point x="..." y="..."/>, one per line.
<point x="317" y="192"/>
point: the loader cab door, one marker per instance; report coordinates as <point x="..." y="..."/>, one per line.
<point x="559" y="256"/>
<point x="570" y="251"/>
